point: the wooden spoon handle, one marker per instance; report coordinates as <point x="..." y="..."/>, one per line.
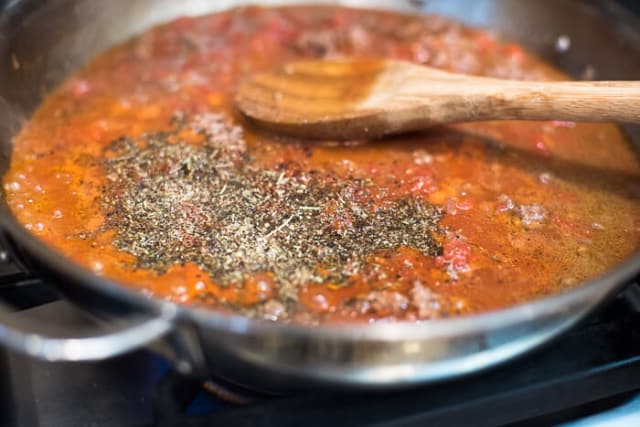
<point x="479" y="98"/>
<point x="574" y="101"/>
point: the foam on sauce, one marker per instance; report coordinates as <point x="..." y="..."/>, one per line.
<point x="518" y="209"/>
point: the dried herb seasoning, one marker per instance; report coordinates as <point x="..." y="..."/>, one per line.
<point x="173" y="202"/>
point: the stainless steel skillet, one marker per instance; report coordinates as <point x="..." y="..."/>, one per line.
<point x="41" y="41"/>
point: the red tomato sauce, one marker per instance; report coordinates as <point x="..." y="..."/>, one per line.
<point x="528" y="208"/>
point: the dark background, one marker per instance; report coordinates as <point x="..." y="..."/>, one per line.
<point x="633" y="5"/>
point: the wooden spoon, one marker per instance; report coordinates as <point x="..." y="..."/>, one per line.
<point x="352" y="99"/>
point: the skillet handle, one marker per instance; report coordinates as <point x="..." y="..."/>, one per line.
<point x="137" y="333"/>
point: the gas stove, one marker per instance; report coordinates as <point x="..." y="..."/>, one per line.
<point x="594" y="369"/>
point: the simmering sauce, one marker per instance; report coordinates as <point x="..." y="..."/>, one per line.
<point x="139" y="168"/>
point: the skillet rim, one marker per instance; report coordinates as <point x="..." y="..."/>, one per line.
<point x="596" y="289"/>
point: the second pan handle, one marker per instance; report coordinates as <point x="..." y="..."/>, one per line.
<point x="21" y="336"/>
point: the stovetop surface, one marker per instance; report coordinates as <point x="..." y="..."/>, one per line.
<point x="594" y="367"/>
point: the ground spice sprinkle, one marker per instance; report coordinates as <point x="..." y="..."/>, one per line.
<point x="174" y="202"/>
